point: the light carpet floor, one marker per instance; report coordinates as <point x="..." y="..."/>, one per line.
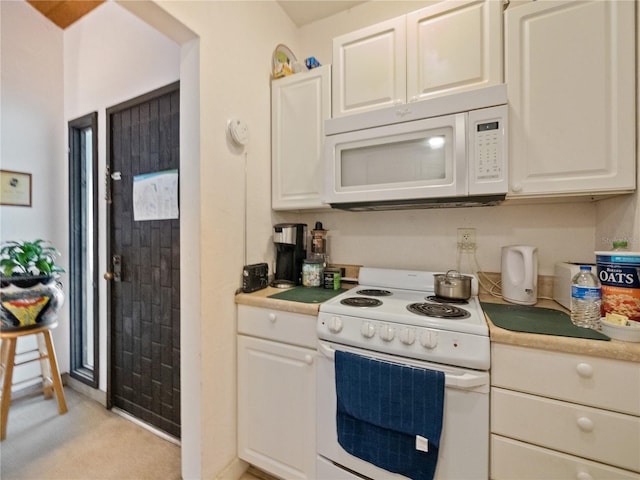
<point x="87" y="443"/>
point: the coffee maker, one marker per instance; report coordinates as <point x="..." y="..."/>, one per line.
<point x="289" y="239"/>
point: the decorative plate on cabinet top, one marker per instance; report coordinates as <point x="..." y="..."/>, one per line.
<point x="283" y="61"/>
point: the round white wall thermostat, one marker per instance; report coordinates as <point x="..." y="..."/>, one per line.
<point x="239" y="131"/>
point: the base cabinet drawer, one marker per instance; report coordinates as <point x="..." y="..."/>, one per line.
<point x="277" y="325"/>
<point x="511" y="459"/>
<point x="604" y="436"/>
<point x="598" y="382"/>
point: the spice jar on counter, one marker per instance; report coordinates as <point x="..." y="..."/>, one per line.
<point x="312" y="269"/>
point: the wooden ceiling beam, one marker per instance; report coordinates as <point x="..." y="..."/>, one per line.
<point x="64" y="12"/>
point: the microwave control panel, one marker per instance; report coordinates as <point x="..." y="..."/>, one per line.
<point x="488" y="153"/>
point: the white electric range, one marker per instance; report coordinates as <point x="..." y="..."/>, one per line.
<point x="393" y="316"/>
<point x="396" y="312"/>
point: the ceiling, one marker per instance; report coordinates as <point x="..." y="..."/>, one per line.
<point x="307" y="11"/>
<point x="65" y="12"/>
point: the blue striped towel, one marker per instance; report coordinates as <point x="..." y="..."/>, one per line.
<point x="384" y="408"/>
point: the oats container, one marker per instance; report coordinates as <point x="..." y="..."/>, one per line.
<point x="619" y="275"/>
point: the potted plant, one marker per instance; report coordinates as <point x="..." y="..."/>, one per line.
<point x="30" y="291"/>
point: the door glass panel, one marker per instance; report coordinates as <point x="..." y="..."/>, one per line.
<point x="424" y="160"/>
<point x="83" y="282"/>
<point x="87" y="247"/>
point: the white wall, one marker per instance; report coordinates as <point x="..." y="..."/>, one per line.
<point x="32" y="135"/>
<point x="427" y="238"/>
<point x="315" y="38"/>
<point x="232" y="62"/>
<point x="619" y="218"/>
<point x="236" y="42"/>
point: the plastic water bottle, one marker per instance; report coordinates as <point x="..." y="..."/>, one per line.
<point x="585" y="298"/>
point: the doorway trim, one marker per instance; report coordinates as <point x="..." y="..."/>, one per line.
<point x="193" y="458"/>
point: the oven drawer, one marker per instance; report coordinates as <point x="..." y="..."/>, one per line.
<point x="598" y="382"/>
<point x="513" y="459"/>
<point x="604" y="436"/>
<point x="293" y="328"/>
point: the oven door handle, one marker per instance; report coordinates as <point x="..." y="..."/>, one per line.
<point x="463" y="381"/>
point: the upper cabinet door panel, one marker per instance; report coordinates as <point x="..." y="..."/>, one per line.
<point x="369" y="68"/>
<point x="453" y="46"/>
<point x="300" y="105"/>
<point x="570" y="71"/>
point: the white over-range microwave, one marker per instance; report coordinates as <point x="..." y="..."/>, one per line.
<point x="444" y="152"/>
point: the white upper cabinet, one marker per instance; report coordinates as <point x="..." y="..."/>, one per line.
<point x="449" y="47"/>
<point x="570" y="72"/>
<point x="300" y="103"/>
<point x="453" y="46"/>
<point x="369" y="68"/>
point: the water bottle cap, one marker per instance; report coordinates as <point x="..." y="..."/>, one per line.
<point x="585" y="267"/>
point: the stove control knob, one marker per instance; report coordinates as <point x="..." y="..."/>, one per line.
<point x="367" y="330"/>
<point x="407" y="336"/>
<point x="335" y="324"/>
<point x="387" y="333"/>
<point x="429" y="339"/>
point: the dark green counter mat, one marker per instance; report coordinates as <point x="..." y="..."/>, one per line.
<point x="545" y="321"/>
<point x="307" y="294"/>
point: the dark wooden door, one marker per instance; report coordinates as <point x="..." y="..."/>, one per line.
<point x="144" y="295"/>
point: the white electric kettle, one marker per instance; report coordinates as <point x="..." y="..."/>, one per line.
<point x="520" y="274"/>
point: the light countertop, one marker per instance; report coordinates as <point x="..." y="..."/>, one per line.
<point x="261" y="299"/>
<point x="613" y="349"/>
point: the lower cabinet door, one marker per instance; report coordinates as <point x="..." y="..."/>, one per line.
<point x="512" y="459"/>
<point x="276" y="407"/>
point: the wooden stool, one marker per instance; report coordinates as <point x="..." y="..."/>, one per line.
<point x="51" y="381"/>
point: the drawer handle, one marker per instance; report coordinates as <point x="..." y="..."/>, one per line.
<point x="584" y="476"/>
<point x="585" y="424"/>
<point x="273" y="317"/>
<point x="308" y="359"/>
<point x="585" y="370"/>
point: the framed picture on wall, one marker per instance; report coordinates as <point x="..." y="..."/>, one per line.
<point x="15" y="188"/>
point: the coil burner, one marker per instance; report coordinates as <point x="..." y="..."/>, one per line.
<point x="374" y="292"/>
<point x="361" y="302"/>
<point x="438" y="310"/>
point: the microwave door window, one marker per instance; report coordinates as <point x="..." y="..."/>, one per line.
<point x="419" y="161"/>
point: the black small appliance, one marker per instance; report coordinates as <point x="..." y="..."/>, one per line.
<point x="255" y="277"/>
<point x="289" y="239"/>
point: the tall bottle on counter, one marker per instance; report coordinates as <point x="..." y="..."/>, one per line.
<point x="319" y="243"/>
<point x="314" y="265"/>
<point x="585" y="298"/>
